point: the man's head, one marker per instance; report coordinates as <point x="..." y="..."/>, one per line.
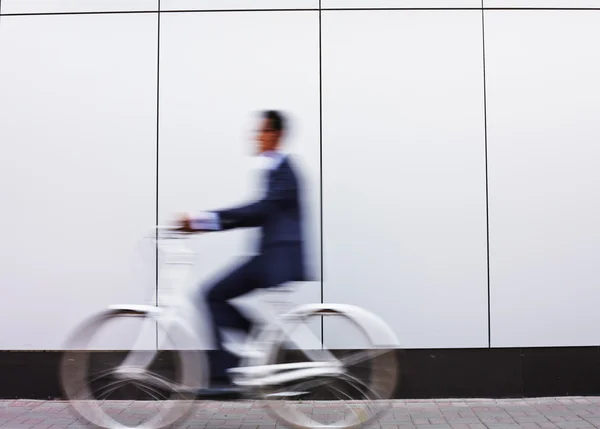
<point x="270" y="131"/>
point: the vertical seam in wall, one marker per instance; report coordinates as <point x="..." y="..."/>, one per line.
<point x="0" y="15"/>
<point x="157" y="158"/>
<point x="522" y="357"/>
<point x="321" y="164"/>
<point x="487" y="206"/>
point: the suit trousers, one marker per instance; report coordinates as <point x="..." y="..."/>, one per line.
<point x="271" y="268"/>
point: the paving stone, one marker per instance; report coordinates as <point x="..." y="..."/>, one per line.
<point x="430" y="426"/>
<point x="464" y="420"/>
<point x="534" y="413"/>
<point x="459" y="426"/>
<point x="575" y="424"/>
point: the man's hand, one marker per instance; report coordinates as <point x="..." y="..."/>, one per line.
<point x="184" y="223"/>
<point x="203" y="222"/>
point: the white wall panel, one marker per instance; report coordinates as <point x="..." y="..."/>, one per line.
<point x="404" y="218"/>
<point x="209" y="96"/>
<point x="58" y="6"/>
<point x="400" y="4"/>
<point x="78" y="125"/>
<point x="237" y="4"/>
<point x="541" y="4"/>
<point x="543" y="132"/>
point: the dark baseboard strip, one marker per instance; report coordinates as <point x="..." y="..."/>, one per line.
<point x="425" y="373"/>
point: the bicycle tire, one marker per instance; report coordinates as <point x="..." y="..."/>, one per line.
<point x="383" y="384"/>
<point x="190" y="372"/>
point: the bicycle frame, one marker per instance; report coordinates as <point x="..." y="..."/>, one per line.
<point x="179" y="260"/>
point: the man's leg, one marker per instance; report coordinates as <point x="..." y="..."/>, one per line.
<point x="242" y="280"/>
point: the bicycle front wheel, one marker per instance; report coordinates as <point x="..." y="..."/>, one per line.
<point x="131" y="388"/>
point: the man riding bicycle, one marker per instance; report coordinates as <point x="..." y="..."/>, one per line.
<point x="280" y="254"/>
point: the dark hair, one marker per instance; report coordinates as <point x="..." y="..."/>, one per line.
<point x="276" y="120"/>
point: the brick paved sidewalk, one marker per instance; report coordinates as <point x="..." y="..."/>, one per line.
<point x="545" y="413"/>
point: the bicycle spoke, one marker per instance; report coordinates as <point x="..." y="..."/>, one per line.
<point x="111" y="387"/>
<point x="148" y="390"/>
<point x="351" y="409"/>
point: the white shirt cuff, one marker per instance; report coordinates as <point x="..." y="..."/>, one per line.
<point x="206" y="221"/>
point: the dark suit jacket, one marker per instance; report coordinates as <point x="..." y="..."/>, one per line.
<point x="278" y="214"/>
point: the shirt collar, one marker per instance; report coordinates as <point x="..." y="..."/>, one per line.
<point x="274" y="159"/>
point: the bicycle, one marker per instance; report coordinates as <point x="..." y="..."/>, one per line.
<point x="268" y="370"/>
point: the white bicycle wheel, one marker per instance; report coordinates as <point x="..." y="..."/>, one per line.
<point x="163" y="388"/>
<point x="345" y="401"/>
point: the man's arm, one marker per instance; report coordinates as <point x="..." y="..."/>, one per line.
<point x="281" y="190"/>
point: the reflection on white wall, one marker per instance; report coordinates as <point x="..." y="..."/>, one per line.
<point x="404" y="173"/>
<point x="543" y="134"/>
<point x="400" y="4"/>
<point x="210" y="95"/>
<point x="403" y="158"/>
<point x="237" y="4"/>
<point x="78" y="128"/>
<point x="62" y="6"/>
<point x="541" y="4"/>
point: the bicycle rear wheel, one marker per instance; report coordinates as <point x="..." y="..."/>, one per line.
<point x="102" y="391"/>
<point x="345" y="401"/>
